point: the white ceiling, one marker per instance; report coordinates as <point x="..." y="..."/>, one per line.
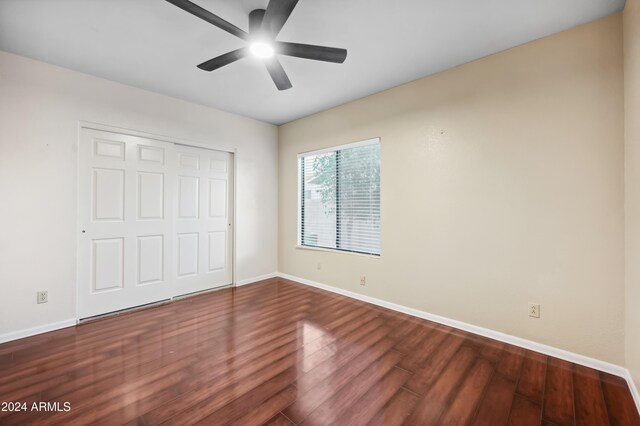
<point x="156" y="46"/>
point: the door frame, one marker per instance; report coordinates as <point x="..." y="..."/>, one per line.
<point x="82" y="124"/>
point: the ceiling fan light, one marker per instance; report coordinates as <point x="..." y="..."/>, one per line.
<point x="261" y="50"/>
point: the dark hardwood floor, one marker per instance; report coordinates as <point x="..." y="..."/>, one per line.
<point x="280" y="353"/>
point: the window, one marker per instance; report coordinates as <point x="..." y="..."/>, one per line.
<point x="339" y="198"/>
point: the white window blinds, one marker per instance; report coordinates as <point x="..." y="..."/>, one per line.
<point x="339" y="198"/>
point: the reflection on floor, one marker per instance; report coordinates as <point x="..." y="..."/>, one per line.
<point x="279" y="352"/>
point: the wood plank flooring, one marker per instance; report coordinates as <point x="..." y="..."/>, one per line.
<point x="282" y="353"/>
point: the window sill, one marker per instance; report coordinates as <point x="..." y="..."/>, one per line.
<point x="353" y="253"/>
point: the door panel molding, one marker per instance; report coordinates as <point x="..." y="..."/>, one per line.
<point x="129" y="203"/>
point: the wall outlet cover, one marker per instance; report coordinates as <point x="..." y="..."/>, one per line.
<point x="534" y="310"/>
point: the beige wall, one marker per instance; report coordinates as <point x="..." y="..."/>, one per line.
<point x="40" y="109"/>
<point x="502" y="184"/>
<point x="632" y="183"/>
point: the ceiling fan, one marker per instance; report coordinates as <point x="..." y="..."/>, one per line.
<point x="264" y="26"/>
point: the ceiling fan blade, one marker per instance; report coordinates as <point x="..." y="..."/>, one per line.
<point x="278" y="11"/>
<point x="277" y="73"/>
<point x="222" y="60"/>
<point x="204" y="14"/>
<point x="309" y="51"/>
<point x="255" y="22"/>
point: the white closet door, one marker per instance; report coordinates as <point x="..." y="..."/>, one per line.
<point x="155" y="221"/>
<point x="125" y="214"/>
<point x="203" y="209"/>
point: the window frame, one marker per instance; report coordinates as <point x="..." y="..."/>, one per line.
<point x="301" y="194"/>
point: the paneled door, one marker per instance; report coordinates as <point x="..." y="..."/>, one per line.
<point x="154" y="221"/>
<point x="125" y="246"/>
<point x="203" y="225"/>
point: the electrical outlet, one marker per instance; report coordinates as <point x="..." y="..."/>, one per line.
<point x="534" y="310"/>
<point x="43" y="296"/>
<point x="363" y="280"/>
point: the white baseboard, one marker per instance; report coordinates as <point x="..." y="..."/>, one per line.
<point x="20" y="334"/>
<point x="15" y="335"/>
<point x="634" y="388"/>
<point x="607" y="367"/>
<point x="256" y="279"/>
